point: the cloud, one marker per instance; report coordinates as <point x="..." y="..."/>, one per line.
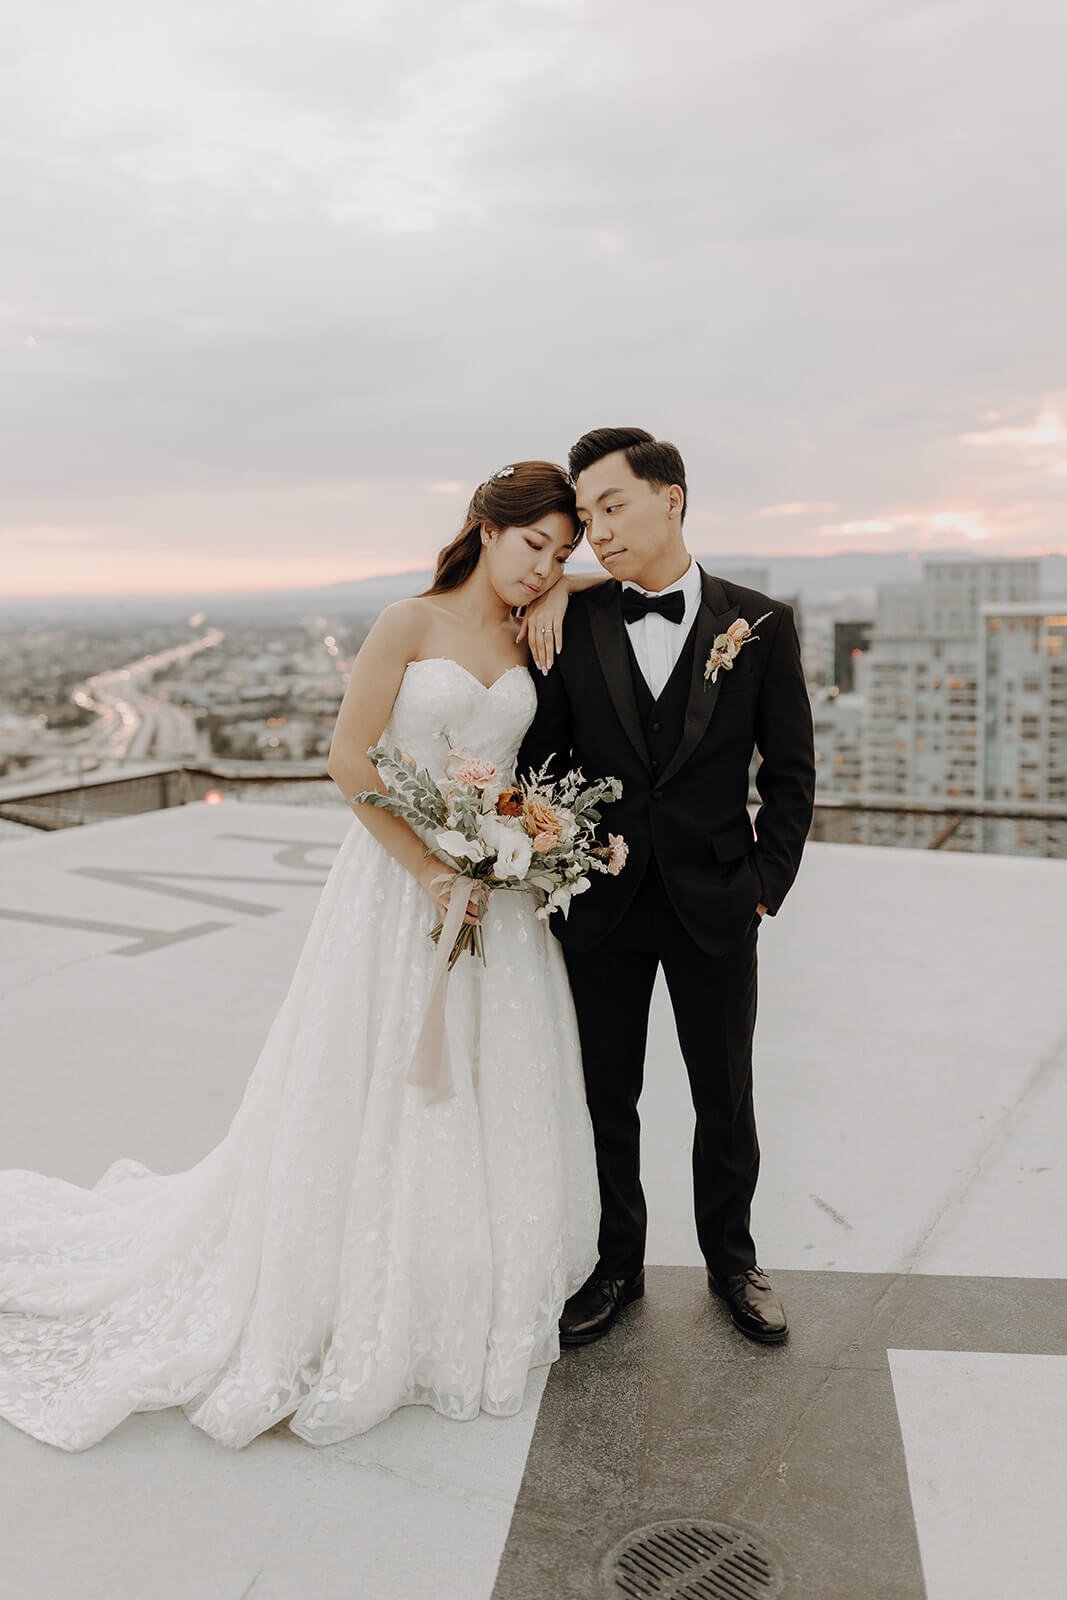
<point x="269" y="251"/>
<point x="939" y="528"/>
<point x="1044" y="440"/>
<point x="798" y="508"/>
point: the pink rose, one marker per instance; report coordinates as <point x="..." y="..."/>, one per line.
<point x="737" y="630"/>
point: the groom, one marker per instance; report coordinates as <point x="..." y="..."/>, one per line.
<point x="633" y="695"/>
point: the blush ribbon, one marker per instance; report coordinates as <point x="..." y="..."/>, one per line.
<point x="431" y="1066"/>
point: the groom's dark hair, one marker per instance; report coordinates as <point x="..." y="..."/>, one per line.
<point x="653" y="459"/>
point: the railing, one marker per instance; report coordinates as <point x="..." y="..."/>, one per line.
<point x="68" y="803"/>
<point x="979" y="826"/>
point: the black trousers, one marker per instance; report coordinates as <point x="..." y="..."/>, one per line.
<point x="714" y="1003"/>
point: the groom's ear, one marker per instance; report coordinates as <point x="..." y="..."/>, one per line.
<point x="675" y="500"/>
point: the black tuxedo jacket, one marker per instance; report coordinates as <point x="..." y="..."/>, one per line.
<point x="691" y="816"/>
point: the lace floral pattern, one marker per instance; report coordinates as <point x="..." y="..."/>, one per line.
<point x="347" y="1248"/>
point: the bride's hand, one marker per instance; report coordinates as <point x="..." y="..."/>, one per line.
<point x="438" y="880"/>
<point x="542" y="625"/>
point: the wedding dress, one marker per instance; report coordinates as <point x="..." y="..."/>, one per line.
<point x="350" y="1246"/>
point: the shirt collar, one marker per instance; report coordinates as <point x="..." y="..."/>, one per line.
<point x="688" y="583"/>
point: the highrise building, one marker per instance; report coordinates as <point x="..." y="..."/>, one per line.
<point x="922" y="733"/>
<point x="838" y="725"/>
<point x="1024" y="681"/>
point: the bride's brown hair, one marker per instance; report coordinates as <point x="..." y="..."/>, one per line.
<point x="514" y="497"/>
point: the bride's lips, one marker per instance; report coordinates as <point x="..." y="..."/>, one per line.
<point x="530" y="589"/>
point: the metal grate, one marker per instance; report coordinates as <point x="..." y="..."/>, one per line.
<point x="693" y="1561"/>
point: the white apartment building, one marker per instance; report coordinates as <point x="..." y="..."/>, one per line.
<point x="1024" y="682"/>
<point x="838" y="720"/>
<point x="922" y="736"/>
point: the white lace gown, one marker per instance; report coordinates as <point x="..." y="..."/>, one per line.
<point x="348" y="1247"/>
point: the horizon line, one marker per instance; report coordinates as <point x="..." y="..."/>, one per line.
<point x="739" y="557"/>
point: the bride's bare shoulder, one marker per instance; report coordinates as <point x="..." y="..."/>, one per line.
<point x="404" y="622"/>
<point x="417" y="622"/>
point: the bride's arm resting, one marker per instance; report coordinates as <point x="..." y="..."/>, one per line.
<point x="377" y="671"/>
<point x="542" y="622"/>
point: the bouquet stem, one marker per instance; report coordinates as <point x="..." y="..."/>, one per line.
<point x="470" y="937"/>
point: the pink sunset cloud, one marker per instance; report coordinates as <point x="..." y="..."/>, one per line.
<point x="799" y="508"/>
<point x="924" y="527"/>
<point x="1047" y="431"/>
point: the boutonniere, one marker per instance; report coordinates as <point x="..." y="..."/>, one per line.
<point x="727" y="645"/>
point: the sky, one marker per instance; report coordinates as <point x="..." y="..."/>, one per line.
<point x="279" y="285"/>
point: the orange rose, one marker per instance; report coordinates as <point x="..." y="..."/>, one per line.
<point x="509" y="803"/>
<point x="540" y="817"/>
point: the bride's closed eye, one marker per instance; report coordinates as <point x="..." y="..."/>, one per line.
<point x="561" y="558"/>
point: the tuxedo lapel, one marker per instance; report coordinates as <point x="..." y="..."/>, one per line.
<point x="609" y="638"/>
<point x="714" y="617"/>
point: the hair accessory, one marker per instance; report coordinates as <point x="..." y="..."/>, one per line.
<point x="505" y="472"/>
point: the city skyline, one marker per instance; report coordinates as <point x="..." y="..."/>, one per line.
<point x="275" y="299"/>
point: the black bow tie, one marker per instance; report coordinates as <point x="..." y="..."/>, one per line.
<point x="636" y="605"/>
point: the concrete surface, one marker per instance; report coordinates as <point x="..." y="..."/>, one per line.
<point x="912" y="1102"/>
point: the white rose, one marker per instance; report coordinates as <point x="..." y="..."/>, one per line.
<point x="511" y="843"/>
<point x="513" y="860"/>
<point x="494" y="829"/>
<point x="580" y="886"/>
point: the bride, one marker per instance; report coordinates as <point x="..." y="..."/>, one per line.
<point x="351" y="1246"/>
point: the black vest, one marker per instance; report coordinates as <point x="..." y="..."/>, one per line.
<point x="663" y="720"/>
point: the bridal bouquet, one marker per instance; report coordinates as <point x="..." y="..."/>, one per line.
<point x="538" y="835"/>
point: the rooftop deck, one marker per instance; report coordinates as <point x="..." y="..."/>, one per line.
<point x="912" y="1101"/>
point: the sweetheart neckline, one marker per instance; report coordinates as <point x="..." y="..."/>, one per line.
<point x="473" y="676"/>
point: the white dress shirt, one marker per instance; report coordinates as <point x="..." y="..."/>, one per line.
<point x="657" y="643"/>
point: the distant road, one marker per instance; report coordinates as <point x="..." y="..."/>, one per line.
<point x="131" y="723"/>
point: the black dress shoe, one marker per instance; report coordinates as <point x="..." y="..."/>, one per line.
<point x="591" y="1311"/>
<point x="753" y="1305"/>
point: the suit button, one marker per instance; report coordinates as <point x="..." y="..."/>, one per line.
<point x="657" y="727"/>
<point x="657" y="794"/>
<point x="655" y="766"/>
